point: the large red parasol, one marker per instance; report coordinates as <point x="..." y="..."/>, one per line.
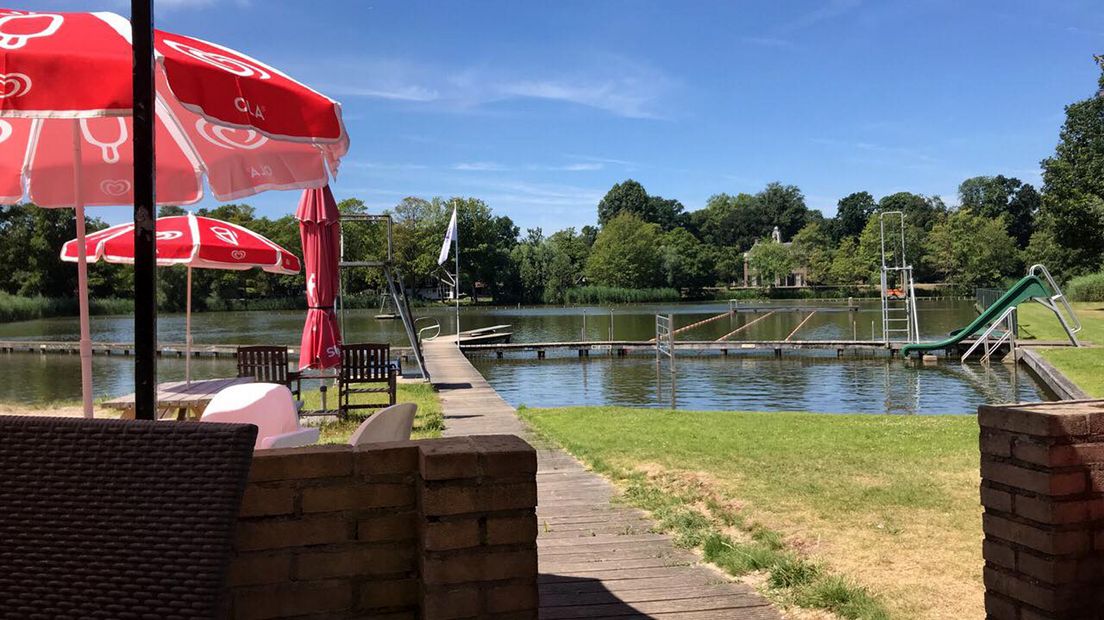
<point x="194" y="241"/>
<point x="319" y="227"/>
<point x="66" y="136"/>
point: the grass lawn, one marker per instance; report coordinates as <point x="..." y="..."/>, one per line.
<point x="1084" y="366"/>
<point x="429" y="421"/>
<point x="887" y="503"/>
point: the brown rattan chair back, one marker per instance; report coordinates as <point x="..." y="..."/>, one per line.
<point x="117" y="519"/>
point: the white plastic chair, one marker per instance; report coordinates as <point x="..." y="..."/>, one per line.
<point x="269" y="406"/>
<point x="391" y="424"/>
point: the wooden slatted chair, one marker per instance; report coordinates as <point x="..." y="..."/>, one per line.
<point x="365" y="369"/>
<point x="267" y="364"/>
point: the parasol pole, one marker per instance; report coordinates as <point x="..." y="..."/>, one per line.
<point x="82" y="277"/>
<point x="145" y="223"/>
<point x="188" y="331"/>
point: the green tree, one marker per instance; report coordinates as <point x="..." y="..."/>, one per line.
<point x="729" y="220"/>
<point x="852" y="213"/>
<point x="687" y="262"/>
<point x="969" y="249"/>
<point x="1002" y="196"/>
<point x="630" y="196"/>
<point x="772" y="261"/>
<point x="567" y="259"/>
<point x="812" y="250"/>
<point x="1071" y="226"/>
<point x="531" y="258"/>
<point x="848" y="266"/>
<point x="626" y="254"/>
<point x="783" y="206"/>
<point x="625" y="196"/>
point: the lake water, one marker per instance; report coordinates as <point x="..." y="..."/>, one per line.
<point x="814" y="382"/>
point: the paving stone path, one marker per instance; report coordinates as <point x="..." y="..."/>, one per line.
<point x="597" y="559"/>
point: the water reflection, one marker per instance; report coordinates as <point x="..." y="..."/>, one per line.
<point x="742" y="382"/>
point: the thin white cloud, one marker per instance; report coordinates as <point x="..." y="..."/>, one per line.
<point x="611" y="84"/>
<point x="827" y="11"/>
<point x="198" y="4"/>
<point x="479" y="166"/>
<point x="575" y="167"/>
<point x="775" y="42"/>
<point x="372" y="165"/>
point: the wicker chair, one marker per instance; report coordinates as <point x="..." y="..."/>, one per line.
<point x="118" y="518"/>
<point x="268" y="364"/>
<point x="365" y="369"/>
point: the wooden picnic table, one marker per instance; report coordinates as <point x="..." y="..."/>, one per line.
<point x="179" y="398"/>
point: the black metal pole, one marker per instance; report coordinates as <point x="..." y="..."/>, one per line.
<point x="145" y="223"/>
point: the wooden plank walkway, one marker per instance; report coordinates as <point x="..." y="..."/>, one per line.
<point x="598" y="559"/>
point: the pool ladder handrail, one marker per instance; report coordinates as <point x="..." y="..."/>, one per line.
<point x="1007" y="320"/>
<point x="1073" y="324"/>
<point x="428" y="328"/>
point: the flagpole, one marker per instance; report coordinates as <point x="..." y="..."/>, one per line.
<point x="456" y="234"/>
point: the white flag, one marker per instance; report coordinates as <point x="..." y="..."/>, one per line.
<point x="450" y="236"/>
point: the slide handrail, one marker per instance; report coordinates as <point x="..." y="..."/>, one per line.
<point x="1074" y="325"/>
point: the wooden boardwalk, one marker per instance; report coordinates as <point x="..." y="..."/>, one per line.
<point x="598" y="559"/>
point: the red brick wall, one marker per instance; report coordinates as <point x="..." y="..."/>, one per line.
<point x="1042" y="469"/>
<point x="433" y="529"/>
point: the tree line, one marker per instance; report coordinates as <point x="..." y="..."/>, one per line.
<point x="645" y="241"/>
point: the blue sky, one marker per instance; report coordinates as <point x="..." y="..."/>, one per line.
<point x="539" y="107"/>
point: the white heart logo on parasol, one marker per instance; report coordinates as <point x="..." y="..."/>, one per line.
<point x="238" y="254"/>
<point x="229" y="137"/>
<point x="14" y="85"/>
<point x="168" y="235"/>
<point x="115" y="187"/>
<point x="237" y="66"/>
<point x="5" y="131"/>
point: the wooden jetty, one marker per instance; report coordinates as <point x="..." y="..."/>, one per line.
<point x="622" y="348"/>
<point x="597" y="557"/>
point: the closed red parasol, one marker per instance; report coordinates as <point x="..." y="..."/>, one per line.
<point x="319" y="227"/>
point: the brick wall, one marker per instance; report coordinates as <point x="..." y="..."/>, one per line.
<point x="1042" y="469"/>
<point x="432" y="529"/>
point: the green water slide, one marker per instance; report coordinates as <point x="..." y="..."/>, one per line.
<point x="1030" y="287"/>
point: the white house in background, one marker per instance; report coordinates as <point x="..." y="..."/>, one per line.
<point x="797" y="278"/>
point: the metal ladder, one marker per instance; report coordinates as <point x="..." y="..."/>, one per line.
<point x="899" y="317"/>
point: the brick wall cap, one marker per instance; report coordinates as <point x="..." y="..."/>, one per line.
<point x="1054" y="419"/>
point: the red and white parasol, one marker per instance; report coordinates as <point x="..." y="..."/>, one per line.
<point x="66" y="98"/>
<point x="193" y="241"/>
